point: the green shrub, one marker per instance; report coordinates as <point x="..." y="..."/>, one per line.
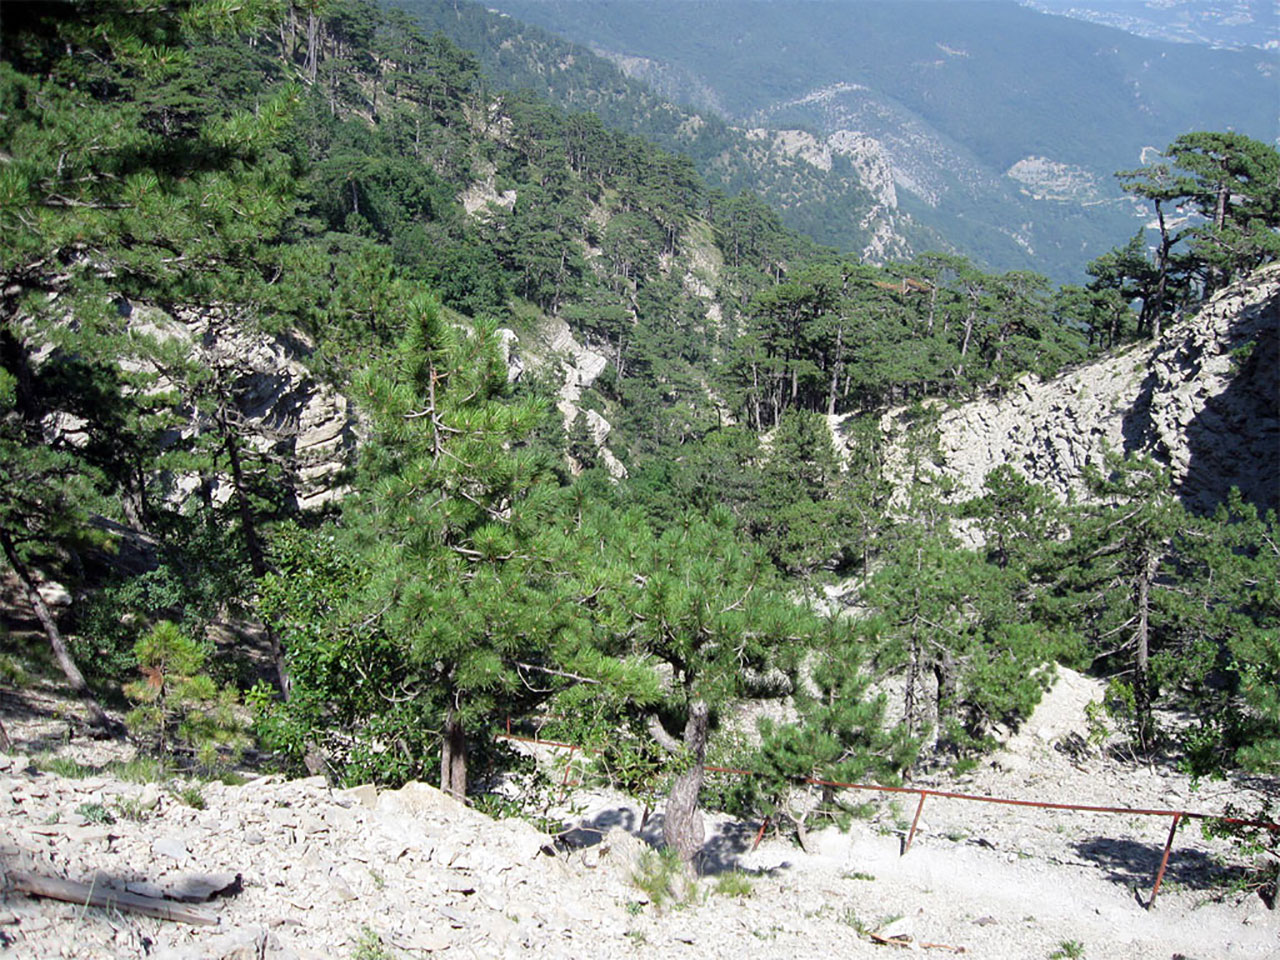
<point x="189" y="795"/>
<point x="142" y="768"/>
<point x="369" y="946"/>
<point x="733" y="884"/>
<point x="95" y="813"/>
<point x="179" y="706"/>
<point x="662" y="878"/>
<point x="62" y="767"/>
<point x="1068" y="950"/>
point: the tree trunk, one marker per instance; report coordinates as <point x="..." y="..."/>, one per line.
<point x="313" y="45"/>
<point x="97" y="717"/>
<point x="1220" y="206"/>
<point x="968" y="334"/>
<point x="93" y="895"/>
<point x="682" y="828"/>
<point x="257" y="559"/>
<point x="1142" y="650"/>
<point x="453" y="757"/>
<point x="755" y="395"/>
<point x="16" y="359"/>
<point x="835" y="371"/>
<point x="944" y="672"/>
<point x="1162" y="280"/>
<point x="909" y="706"/>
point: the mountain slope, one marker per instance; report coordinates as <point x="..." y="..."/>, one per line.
<point x="838" y="200"/>
<point x="1201" y="400"/>
<point x="959" y="95"/>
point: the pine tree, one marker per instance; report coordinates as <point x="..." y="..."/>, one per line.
<point x="841" y="735"/>
<point x="709" y="610"/>
<point x="1119" y="585"/>
<point x="950" y="623"/>
<point x="1234" y="182"/>
<point x="115" y="174"/>
<point x="44" y="492"/>
<point x="1234" y="557"/>
<point x="449" y="517"/>
<point x="798" y="519"/>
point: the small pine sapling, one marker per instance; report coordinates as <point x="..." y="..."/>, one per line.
<point x="178" y="705"/>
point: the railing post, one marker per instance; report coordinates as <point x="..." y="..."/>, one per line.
<point x="912" y="835"/>
<point x="1164" y="860"/>
<point x="568" y="767"/>
<point x="760" y="835"/>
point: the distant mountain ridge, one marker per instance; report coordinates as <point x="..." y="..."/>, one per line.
<point x="1213" y="23"/>
<point x="1002" y="126"/>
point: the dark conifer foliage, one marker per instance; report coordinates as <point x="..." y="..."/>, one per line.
<point x="331" y="176"/>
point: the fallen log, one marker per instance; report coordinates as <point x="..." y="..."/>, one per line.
<point x="91" y="895"/>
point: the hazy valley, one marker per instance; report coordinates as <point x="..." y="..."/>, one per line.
<point x="959" y="103"/>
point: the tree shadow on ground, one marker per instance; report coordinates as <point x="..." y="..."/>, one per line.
<point x="35" y="722"/>
<point x="724" y="849"/>
<point x="591" y="830"/>
<point x="721" y="853"/>
<point x="1134" y="863"/>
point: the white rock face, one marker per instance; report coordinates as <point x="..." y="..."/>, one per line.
<point x="799" y="143"/>
<point x="869" y="159"/>
<point x="583" y="365"/>
<point x="875" y="174"/>
<point x="482" y="196"/>
<point x="284" y="408"/>
<point x="1203" y="401"/>
<point x="875" y="171"/>
<point x="554" y="349"/>
<point x="54" y="594"/>
<point x="1045" y="179"/>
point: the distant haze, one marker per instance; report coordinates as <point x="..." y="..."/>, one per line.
<point x="1002" y="126"/>
<point x="1215" y="23"/>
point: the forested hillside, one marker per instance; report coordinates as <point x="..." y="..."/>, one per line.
<point x="184" y="188"/>
<point x="1001" y="126"/>
<point x="840" y="201"/>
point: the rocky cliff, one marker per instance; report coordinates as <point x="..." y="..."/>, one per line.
<point x="883" y="224"/>
<point x="286" y="413"/>
<point x="553" y="350"/>
<point x="278" y="404"/>
<point x="1204" y="400"/>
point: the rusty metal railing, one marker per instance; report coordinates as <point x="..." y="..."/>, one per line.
<point x="1177" y="816"/>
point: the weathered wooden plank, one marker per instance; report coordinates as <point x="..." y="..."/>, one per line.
<point x="72" y="891"/>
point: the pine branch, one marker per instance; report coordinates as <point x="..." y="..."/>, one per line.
<point x="556" y="673"/>
<point x="659" y="733"/>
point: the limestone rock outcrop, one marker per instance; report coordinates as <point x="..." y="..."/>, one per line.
<point x="554" y="351"/>
<point x="281" y="406"/>
<point x="1203" y="400"/>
